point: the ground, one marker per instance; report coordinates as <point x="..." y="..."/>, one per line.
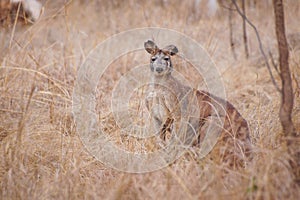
<point x="42" y="154"/>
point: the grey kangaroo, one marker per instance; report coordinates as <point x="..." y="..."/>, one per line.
<point x="170" y="102"/>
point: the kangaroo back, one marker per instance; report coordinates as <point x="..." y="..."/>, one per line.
<point x="234" y="143"/>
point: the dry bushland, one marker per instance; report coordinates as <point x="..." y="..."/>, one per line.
<point x="42" y="155"/>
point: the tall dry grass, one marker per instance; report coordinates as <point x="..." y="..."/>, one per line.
<point x="42" y="155"/>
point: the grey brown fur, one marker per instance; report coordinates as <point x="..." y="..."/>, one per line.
<point x="169" y="101"/>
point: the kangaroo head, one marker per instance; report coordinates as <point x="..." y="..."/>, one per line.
<point x="160" y="61"/>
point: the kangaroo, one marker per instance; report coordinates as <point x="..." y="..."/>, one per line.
<point x="171" y="103"/>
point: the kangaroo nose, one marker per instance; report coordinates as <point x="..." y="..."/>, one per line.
<point x="159" y="69"/>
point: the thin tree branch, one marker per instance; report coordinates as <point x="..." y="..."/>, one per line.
<point x="259" y="43"/>
<point x="245" y="31"/>
<point x="226" y="7"/>
<point x="232" y="44"/>
<point x="273" y="62"/>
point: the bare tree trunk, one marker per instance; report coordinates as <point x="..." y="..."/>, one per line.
<point x="245" y="31"/>
<point x="287" y="97"/>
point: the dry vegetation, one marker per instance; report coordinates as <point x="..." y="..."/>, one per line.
<point x="42" y="156"/>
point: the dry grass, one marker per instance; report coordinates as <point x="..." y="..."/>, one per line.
<point x="42" y="155"/>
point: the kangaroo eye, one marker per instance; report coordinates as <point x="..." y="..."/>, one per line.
<point x="166" y="58"/>
<point x="153" y="59"/>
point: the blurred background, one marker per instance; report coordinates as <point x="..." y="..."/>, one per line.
<point x="42" y="155"/>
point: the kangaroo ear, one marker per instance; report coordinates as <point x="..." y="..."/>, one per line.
<point x="150" y="47"/>
<point x="171" y="49"/>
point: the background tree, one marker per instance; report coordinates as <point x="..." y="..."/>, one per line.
<point x="287" y="97"/>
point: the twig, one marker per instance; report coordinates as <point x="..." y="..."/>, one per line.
<point x="273" y="62"/>
<point x="21" y="124"/>
<point x="232" y="45"/>
<point x="245" y="31"/>
<point x="15" y="24"/>
<point x="259" y="42"/>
